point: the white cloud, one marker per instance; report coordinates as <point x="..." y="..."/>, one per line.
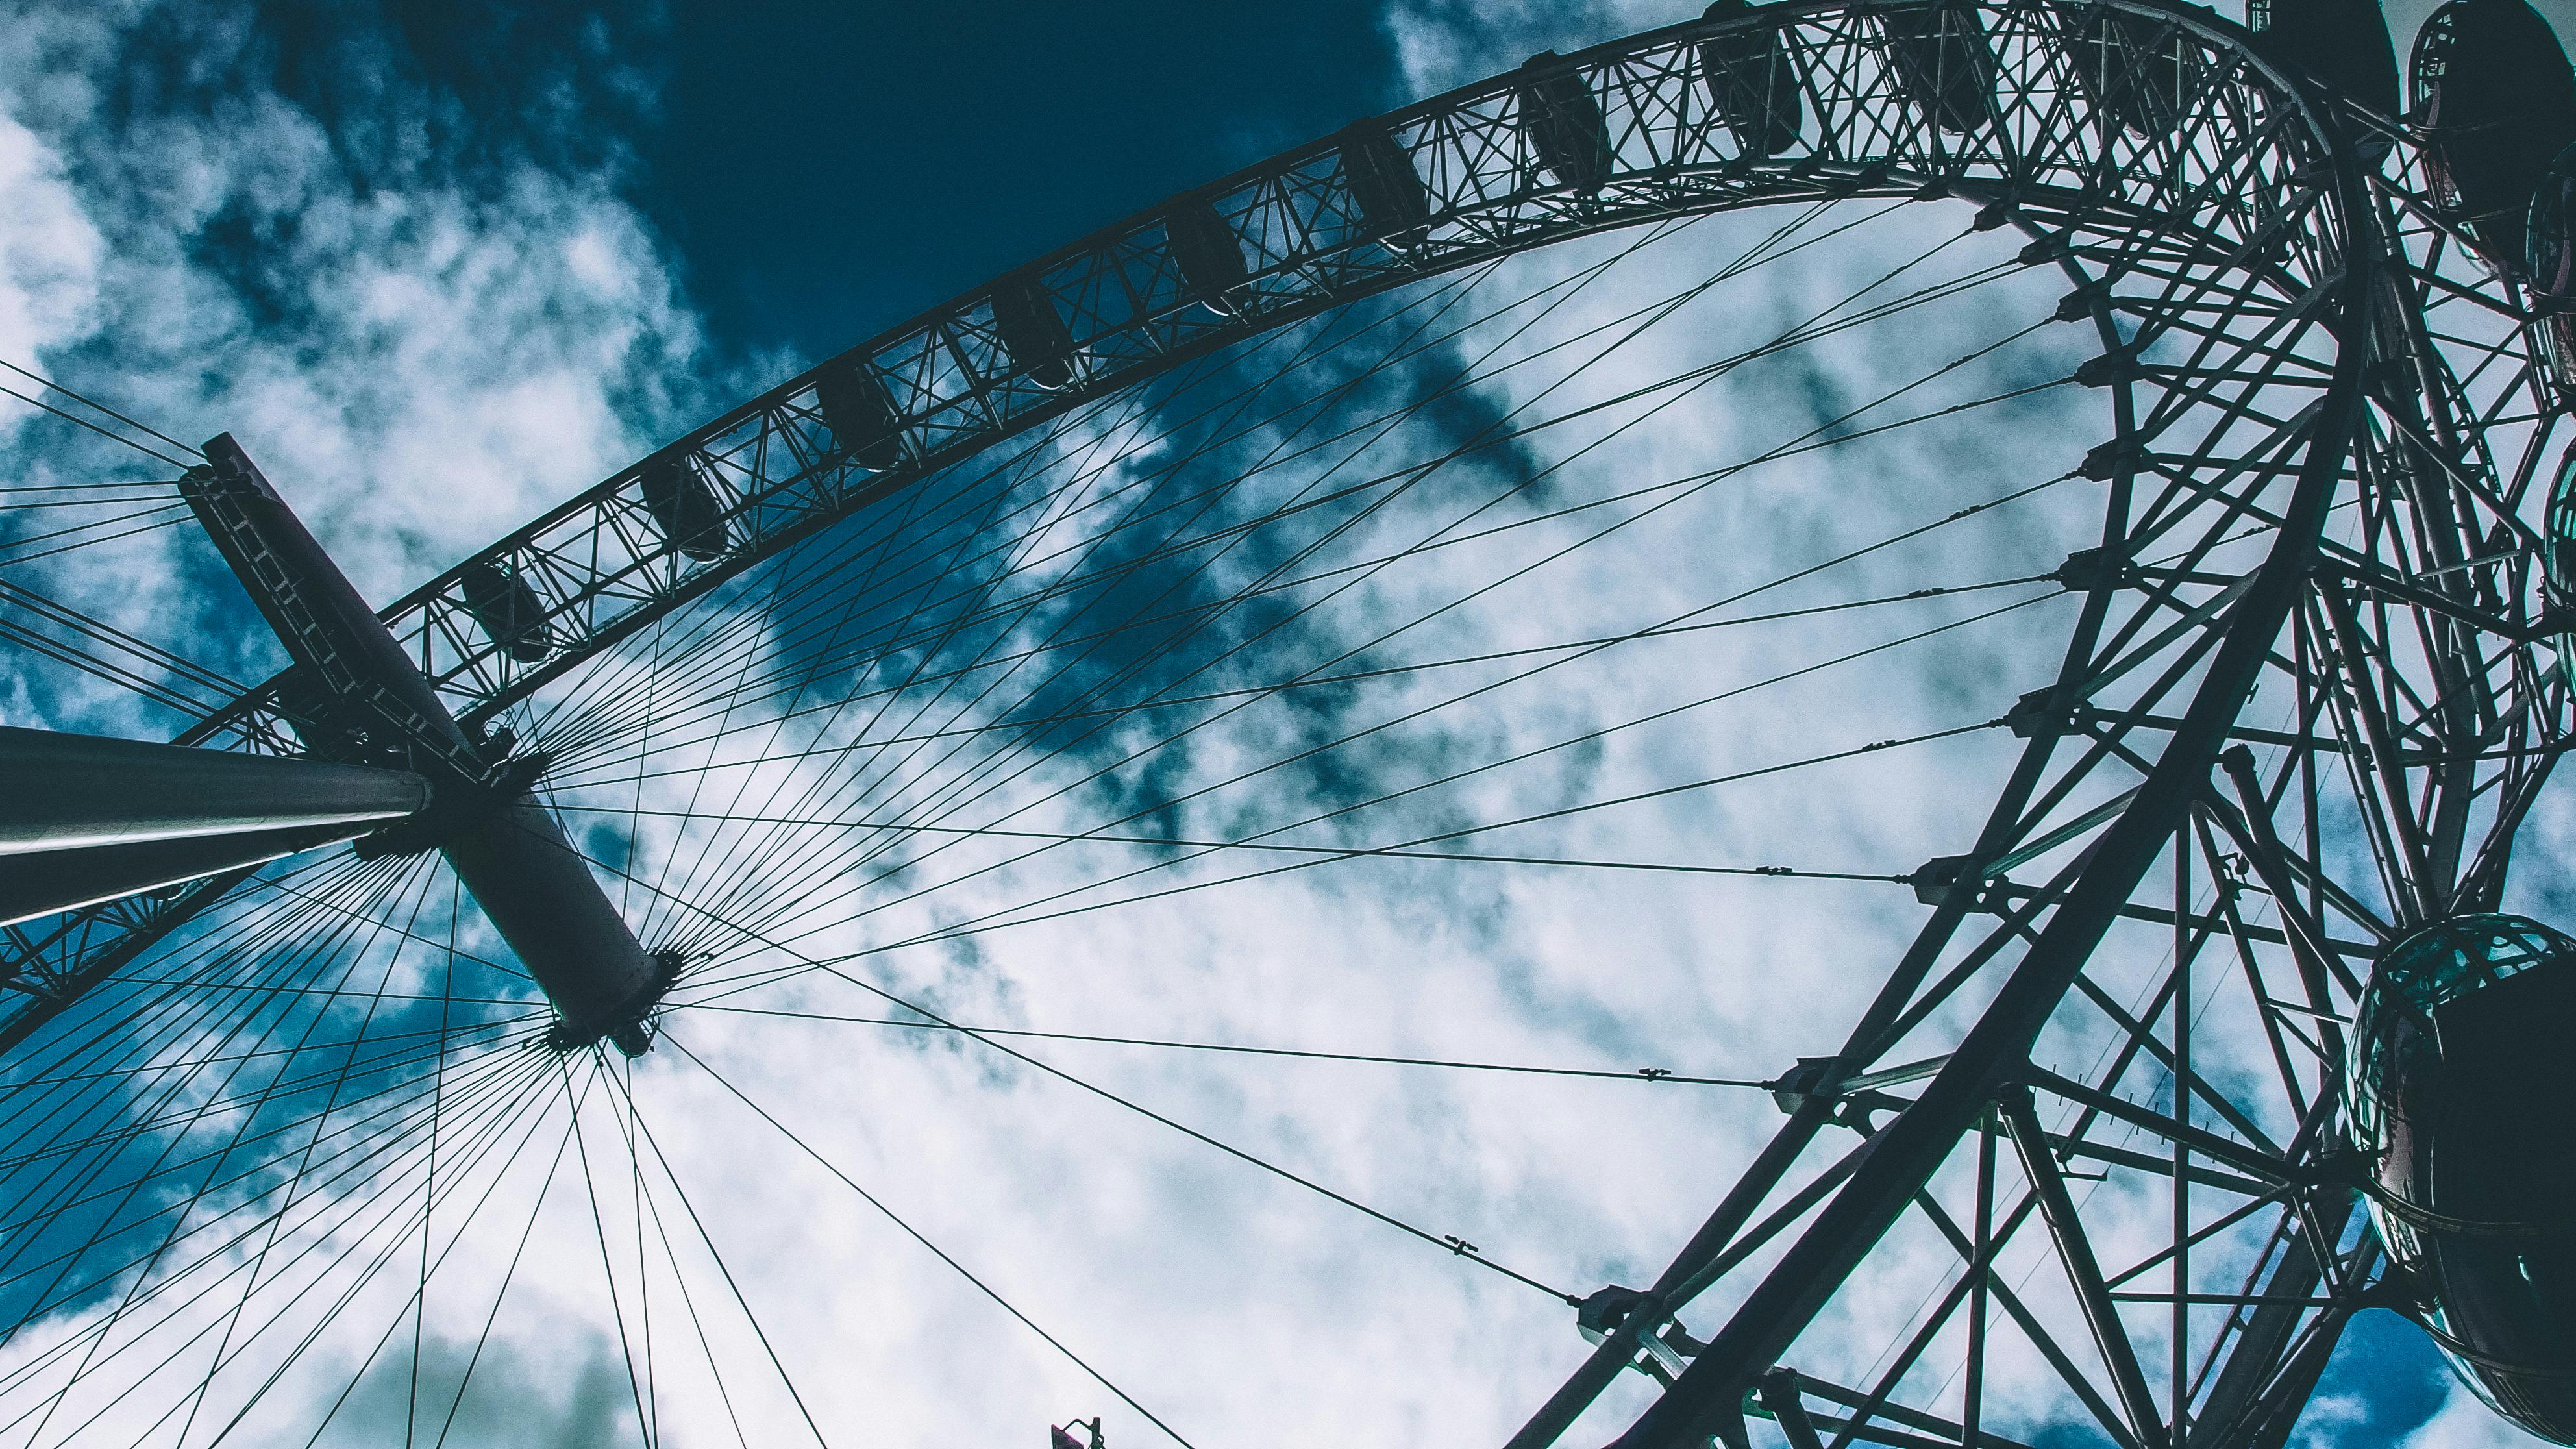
<point x="419" y="359"/>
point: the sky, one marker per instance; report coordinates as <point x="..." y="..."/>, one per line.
<point x="440" y="266"/>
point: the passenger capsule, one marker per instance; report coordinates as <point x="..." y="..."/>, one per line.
<point x="2459" y="1097"/>
<point x="1563" y="123"/>
<point x="2495" y="103"/>
<point x="1207" y="252"/>
<point x="1033" y="332"/>
<point x="2549" y="249"/>
<point x="1752" y="82"/>
<point x="1393" y="204"/>
<point x="2133" y="66"/>
<point x="2343" y="43"/>
<point x="506" y="606"/>
<point x="862" y="422"/>
<point x="2558" y="554"/>
<point x="684" y="506"/>
<point x="1943" y="62"/>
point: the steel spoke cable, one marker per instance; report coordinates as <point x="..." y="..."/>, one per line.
<point x="378" y="1038"/>
<point x="1343" y="852"/>
<point x="744" y="783"/>
<point x="1065" y="1076"/>
<point x="1230" y="486"/>
<point x="839" y="559"/>
<point x="714" y="1254"/>
<point x="992" y="921"/>
<point x="699" y="786"/>
<point x="361" y="1151"/>
<point x="688" y="1301"/>
<point x="44" y="503"/>
<point x="429" y="1269"/>
<point x="1407" y="850"/>
<point x="353" y="1205"/>
<point x="1416" y="550"/>
<point x="529" y="1107"/>
<point x="1461" y="295"/>
<point x="192" y="1339"/>
<point x="401" y="1055"/>
<point x="1255" y="590"/>
<point x="710" y="627"/>
<point x="1450" y="700"/>
<point x="179" y="1225"/>
<point x="388" y="882"/>
<point x="173" y="1143"/>
<point x="1229" y="530"/>
<point x="70" y="1043"/>
<point x="1248" y="640"/>
<point x="921" y="710"/>
<point x="1641" y="1074"/>
<point x="379" y="1066"/>
<point x="916" y="1235"/>
<point x="1444" y="389"/>
<point x="624" y="1080"/>
<point x="844" y="555"/>
<point x="145" y="1125"/>
<point x="509" y="1275"/>
<point x="1505" y="367"/>
<point x="1349" y="677"/>
<point x="1542" y="292"/>
<point x="95" y="404"/>
<point x="1894" y="272"/>
<point x="747" y="661"/>
<point x="1784" y="229"/>
<point x="176" y="514"/>
<point x="12" y="489"/>
<point x="607" y="1269"/>
<point x="1300" y="581"/>
<point x="79" y="421"/>
<point x="1781" y="872"/>
<point x="339" y="1085"/>
<point x="126" y="679"/>
<point x="224" y="1251"/>
<point x="486" y="962"/>
<point x="117" y="1034"/>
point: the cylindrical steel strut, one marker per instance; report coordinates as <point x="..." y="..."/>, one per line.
<point x="87" y="818"/>
<point x="374" y="703"/>
<point x="67" y="791"/>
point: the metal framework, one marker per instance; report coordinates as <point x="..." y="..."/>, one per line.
<point x="2311" y="696"/>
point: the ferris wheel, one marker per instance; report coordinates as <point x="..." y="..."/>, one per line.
<point x="2115" y="456"/>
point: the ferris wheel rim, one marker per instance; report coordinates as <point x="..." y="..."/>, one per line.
<point x="2285" y="557"/>
<point x="432" y="616"/>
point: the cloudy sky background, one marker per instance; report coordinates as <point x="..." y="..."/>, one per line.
<point x="438" y="271"/>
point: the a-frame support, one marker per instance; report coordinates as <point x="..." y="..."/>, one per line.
<point x="88" y="818"/>
<point x="364" y="701"/>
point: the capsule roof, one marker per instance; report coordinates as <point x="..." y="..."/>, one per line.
<point x="2343" y="43"/>
<point x="2490" y="91"/>
<point x="2448" y="960"/>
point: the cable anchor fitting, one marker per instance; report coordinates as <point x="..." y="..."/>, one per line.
<point x="1662" y="1348"/>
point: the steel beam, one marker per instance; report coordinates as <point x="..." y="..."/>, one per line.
<point x="89" y="818"/>
<point x="1707" y="1399"/>
<point x="373" y="703"/>
<point x="43" y="882"/>
<point x="72" y="791"/>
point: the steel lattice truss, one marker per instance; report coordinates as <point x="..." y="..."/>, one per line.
<point x="2312" y="693"/>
